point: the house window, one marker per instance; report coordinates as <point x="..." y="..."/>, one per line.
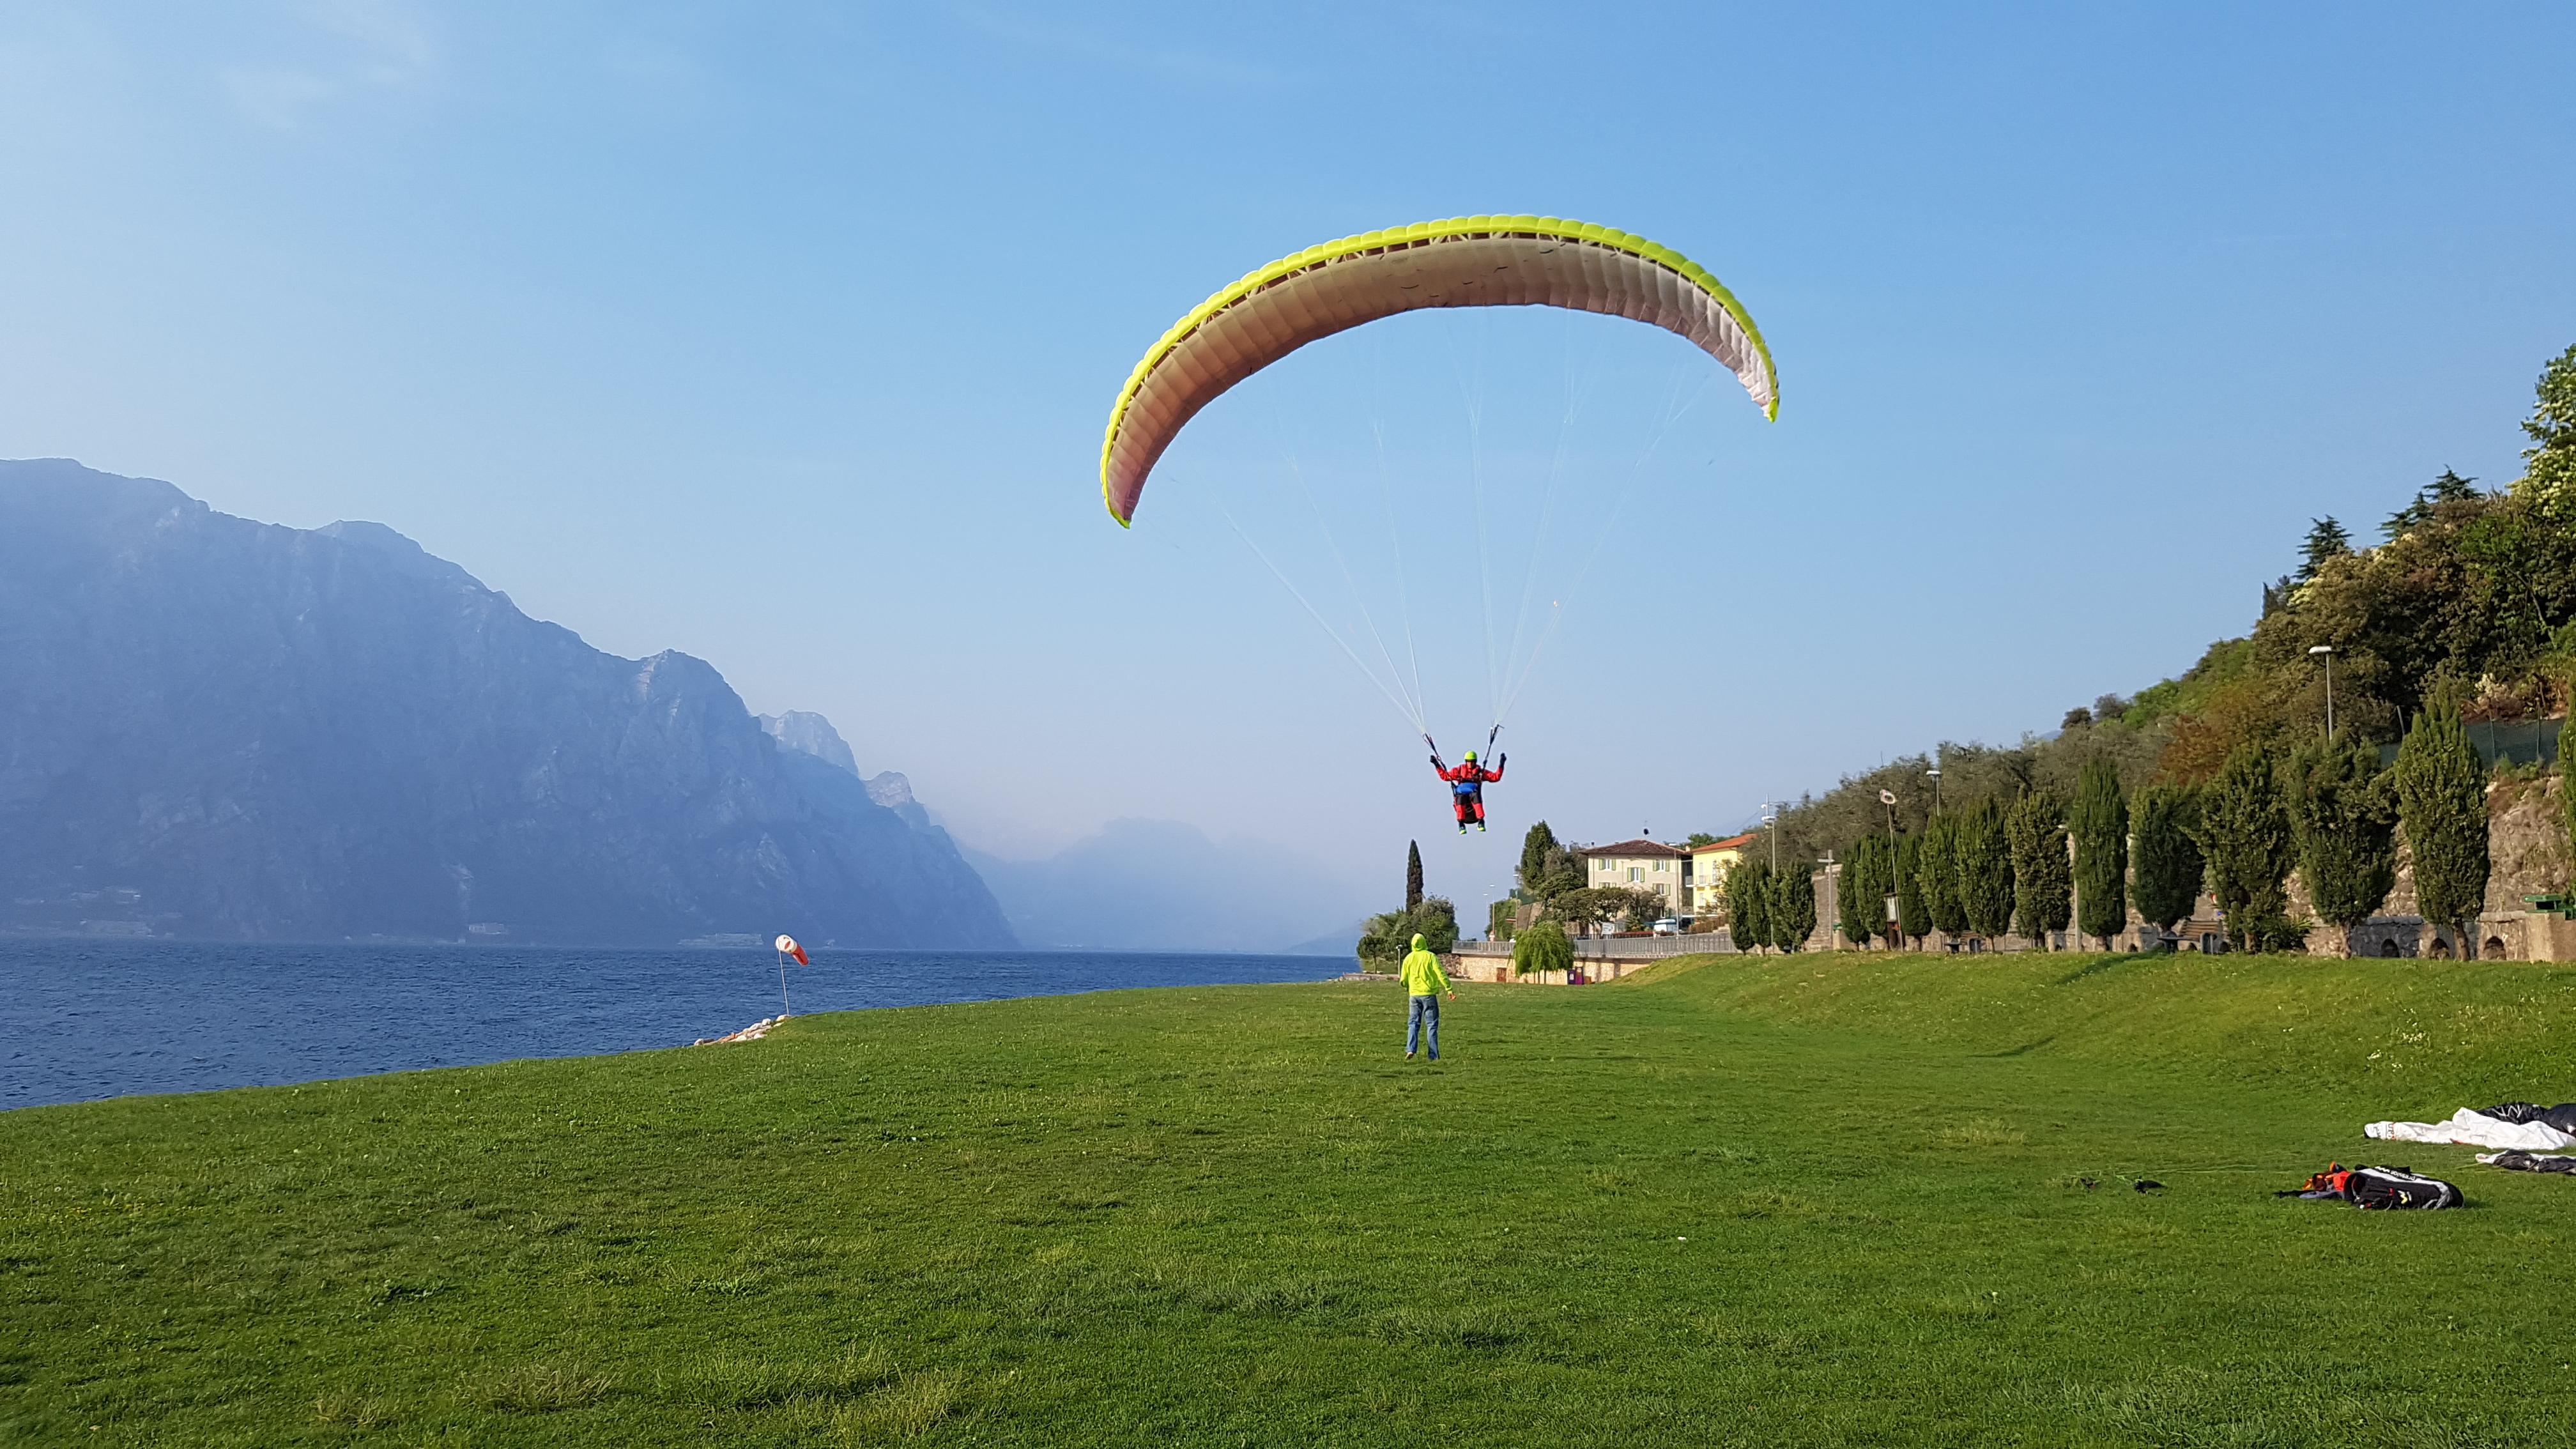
<point x="1636" y="873"/>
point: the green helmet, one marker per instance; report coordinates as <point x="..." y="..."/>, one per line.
<point x="1471" y="757"/>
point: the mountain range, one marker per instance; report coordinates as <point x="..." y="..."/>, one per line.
<point x="214" y="727"/>
<point x="1160" y="885"/>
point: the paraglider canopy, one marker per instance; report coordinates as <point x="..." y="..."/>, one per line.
<point x="1469" y="261"/>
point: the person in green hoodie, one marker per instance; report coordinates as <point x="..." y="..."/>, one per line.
<point x="1424" y="982"/>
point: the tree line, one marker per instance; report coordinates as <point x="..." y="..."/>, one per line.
<point x="2326" y="810"/>
<point x="2237" y="772"/>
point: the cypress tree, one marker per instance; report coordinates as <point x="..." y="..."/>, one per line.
<point x="2169" y="864"/>
<point x="1793" y="908"/>
<point x="1985" y="870"/>
<point x="1882" y="884"/>
<point x="1940" y="876"/>
<point x="2347" y="833"/>
<point x="1412" y="876"/>
<point x="1847" y="913"/>
<point x="1860" y="903"/>
<point x="2442" y="797"/>
<point x="2101" y="831"/>
<point x="1538" y="851"/>
<point x="1748" y="905"/>
<point x="1913" y="918"/>
<point x="2245" y="836"/>
<point x="2042" y="878"/>
<point x="2567" y="787"/>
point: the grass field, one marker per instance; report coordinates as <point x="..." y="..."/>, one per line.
<point x="1812" y="1200"/>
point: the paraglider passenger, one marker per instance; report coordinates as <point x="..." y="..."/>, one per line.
<point x="1467" y="787"/>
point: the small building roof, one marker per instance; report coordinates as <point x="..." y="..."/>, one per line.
<point x="1732" y="842"/>
<point x="1631" y="848"/>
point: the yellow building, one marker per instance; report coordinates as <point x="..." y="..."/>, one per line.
<point x="1640" y="865"/>
<point x="1706" y="871"/>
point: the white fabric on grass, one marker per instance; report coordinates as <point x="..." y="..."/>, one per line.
<point x="2490" y="1157"/>
<point x="2473" y="1128"/>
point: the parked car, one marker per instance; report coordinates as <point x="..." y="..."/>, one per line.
<point x="1668" y="927"/>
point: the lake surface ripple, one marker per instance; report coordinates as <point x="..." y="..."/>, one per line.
<point x="80" y="1020"/>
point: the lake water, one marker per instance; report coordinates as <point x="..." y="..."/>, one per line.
<point x="86" y="1019"/>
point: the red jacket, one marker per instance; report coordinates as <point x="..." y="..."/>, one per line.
<point x="1469" y="773"/>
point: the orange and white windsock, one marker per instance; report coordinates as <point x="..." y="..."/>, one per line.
<point x="787" y="947"/>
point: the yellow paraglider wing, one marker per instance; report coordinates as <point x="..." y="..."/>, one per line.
<point x="1468" y="261"/>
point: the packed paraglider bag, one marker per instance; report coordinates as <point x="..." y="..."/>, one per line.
<point x="2377" y="1187"/>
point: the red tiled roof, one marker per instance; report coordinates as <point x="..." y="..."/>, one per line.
<point x="1731" y="843"/>
<point x="1634" y="847"/>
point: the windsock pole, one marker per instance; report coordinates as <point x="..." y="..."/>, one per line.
<point x="782" y="985"/>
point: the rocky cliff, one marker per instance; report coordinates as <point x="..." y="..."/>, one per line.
<point x="215" y="727"/>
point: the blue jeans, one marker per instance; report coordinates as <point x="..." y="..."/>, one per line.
<point x="1425" y="1009"/>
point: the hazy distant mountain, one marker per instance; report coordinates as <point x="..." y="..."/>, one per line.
<point x="1155" y="885"/>
<point x="217" y="727"/>
<point x="1344" y="942"/>
<point x="810" y="733"/>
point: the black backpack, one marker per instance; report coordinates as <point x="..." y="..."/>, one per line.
<point x="2379" y="1187"/>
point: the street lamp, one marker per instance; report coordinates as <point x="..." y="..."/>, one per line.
<point x="1935" y="774"/>
<point x="2328" y="651"/>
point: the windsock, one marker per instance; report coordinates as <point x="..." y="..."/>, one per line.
<point x="787" y="946"/>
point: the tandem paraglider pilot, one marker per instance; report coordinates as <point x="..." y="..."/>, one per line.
<point x="1424" y="983"/>
<point x="1467" y="786"/>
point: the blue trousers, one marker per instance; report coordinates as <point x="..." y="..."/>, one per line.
<point x="1426" y="1009"/>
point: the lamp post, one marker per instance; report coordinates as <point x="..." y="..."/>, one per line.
<point x="2327" y="650"/>
<point x="1888" y="906"/>
<point x="1935" y="774"/>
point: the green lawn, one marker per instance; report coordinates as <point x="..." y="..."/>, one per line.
<point x="1813" y="1200"/>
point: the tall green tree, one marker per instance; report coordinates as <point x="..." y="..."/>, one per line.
<point x="1940" y="876"/>
<point x="1748" y="904"/>
<point x="2346" y="828"/>
<point x="1985" y="870"/>
<point x="2100" y="825"/>
<point x="2326" y="540"/>
<point x="1547" y="869"/>
<point x="1861" y="889"/>
<point x="1793" y="908"/>
<point x="2442" y="798"/>
<point x="2245" y="837"/>
<point x="2549" y="464"/>
<point x="1881" y="884"/>
<point x="2169" y="862"/>
<point x="2042" y="877"/>
<point x="1413" y="875"/>
<point x="2567" y="788"/>
<point x="1913" y="917"/>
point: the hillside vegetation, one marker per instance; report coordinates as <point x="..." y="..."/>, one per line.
<point x="2467" y="595"/>
<point x="1802" y="1200"/>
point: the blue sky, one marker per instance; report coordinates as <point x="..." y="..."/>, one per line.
<point x="784" y="335"/>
